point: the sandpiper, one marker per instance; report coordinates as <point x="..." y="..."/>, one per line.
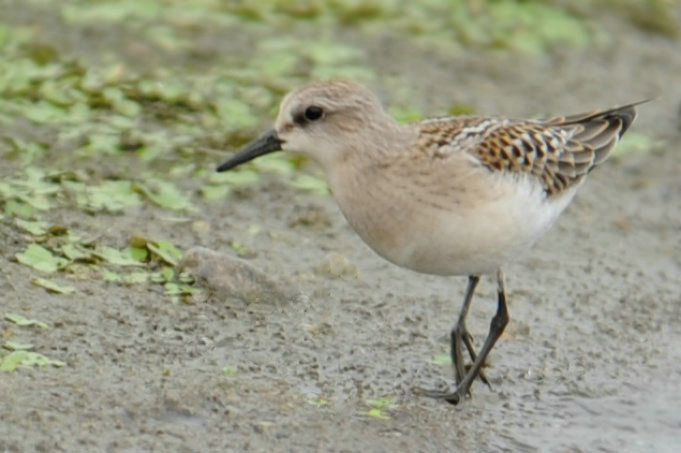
<point x="447" y="196"/>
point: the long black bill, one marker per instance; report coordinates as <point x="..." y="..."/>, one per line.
<point x="266" y="144"/>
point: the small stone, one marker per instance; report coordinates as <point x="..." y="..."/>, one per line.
<point x="335" y="265"/>
<point x="228" y="276"/>
<point x="311" y="216"/>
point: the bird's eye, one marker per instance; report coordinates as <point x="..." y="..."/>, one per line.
<point x="313" y="113"/>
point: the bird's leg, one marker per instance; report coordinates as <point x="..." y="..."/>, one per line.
<point x="460" y="335"/>
<point x="468" y="341"/>
<point x="496" y="328"/>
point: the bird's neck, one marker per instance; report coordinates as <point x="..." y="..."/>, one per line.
<point x="366" y="162"/>
<point x="377" y="144"/>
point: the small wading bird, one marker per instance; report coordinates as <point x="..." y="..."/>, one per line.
<point x="446" y="196"/>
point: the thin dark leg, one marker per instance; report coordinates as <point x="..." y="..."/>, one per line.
<point x="460" y="334"/>
<point x="499" y="322"/>
<point x="468" y="341"/>
<point x="459" y="331"/>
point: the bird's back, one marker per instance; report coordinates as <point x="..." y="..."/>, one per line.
<point x="559" y="152"/>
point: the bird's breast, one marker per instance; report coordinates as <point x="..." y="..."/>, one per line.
<point x="468" y="227"/>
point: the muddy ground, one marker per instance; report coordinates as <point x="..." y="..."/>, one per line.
<point x="591" y="360"/>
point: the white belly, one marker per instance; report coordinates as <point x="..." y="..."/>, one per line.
<point x="484" y="226"/>
<point x="482" y="239"/>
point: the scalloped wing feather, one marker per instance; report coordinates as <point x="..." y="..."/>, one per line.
<point x="560" y="151"/>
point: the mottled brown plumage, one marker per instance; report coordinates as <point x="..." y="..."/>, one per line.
<point x="559" y="151"/>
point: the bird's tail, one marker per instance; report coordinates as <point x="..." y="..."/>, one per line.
<point x="600" y="130"/>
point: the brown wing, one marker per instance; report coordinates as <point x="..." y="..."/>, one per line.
<point x="559" y="151"/>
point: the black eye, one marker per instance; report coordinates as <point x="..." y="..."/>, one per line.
<point x="313" y="113"/>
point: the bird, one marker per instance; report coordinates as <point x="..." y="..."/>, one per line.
<point x="451" y="196"/>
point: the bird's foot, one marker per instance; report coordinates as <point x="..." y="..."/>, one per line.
<point x="454" y="397"/>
